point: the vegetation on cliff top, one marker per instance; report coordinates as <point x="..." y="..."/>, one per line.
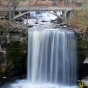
<point x="80" y="20"/>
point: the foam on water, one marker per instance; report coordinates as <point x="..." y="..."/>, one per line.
<point x="26" y="84"/>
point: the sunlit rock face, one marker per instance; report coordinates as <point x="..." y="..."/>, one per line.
<point x="52" y="57"/>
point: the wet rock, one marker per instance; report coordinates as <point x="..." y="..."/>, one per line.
<point x="10" y="73"/>
<point x="19" y="20"/>
<point x="3" y="64"/>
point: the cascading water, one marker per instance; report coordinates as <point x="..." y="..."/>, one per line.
<point x="52" y="57"/>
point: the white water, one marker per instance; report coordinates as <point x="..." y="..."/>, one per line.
<point x="39" y="17"/>
<point x="26" y="84"/>
<point x="52" y="57"/>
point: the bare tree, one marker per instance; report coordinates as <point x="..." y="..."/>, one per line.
<point x="9" y="10"/>
<point x="36" y="2"/>
<point x="13" y="4"/>
<point x="54" y="2"/>
<point x="65" y="2"/>
<point x="28" y="12"/>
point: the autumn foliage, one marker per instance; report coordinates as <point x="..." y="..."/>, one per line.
<point x="80" y="20"/>
<point x="4" y="24"/>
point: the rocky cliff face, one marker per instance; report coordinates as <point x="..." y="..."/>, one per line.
<point x="82" y="53"/>
<point x="13" y="52"/>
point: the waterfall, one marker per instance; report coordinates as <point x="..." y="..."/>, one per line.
<point x="51" y="56"/>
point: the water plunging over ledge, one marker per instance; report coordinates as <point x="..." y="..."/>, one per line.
<point x="51" y="60"/>
<point x="51" y="57"/>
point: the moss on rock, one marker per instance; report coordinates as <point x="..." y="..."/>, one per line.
<point x="16" y="59"/>
<point x="81" y="55"/>
<point x="81" y="51"/>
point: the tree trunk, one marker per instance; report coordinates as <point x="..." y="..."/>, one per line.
<point x="65" y="2"/>
<point x="28" y="12"/>
<point x="36" y="2"/>
<point x="9" y="11"/>
<point x="14" y="5"/>
<point x="54" y="2"/>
